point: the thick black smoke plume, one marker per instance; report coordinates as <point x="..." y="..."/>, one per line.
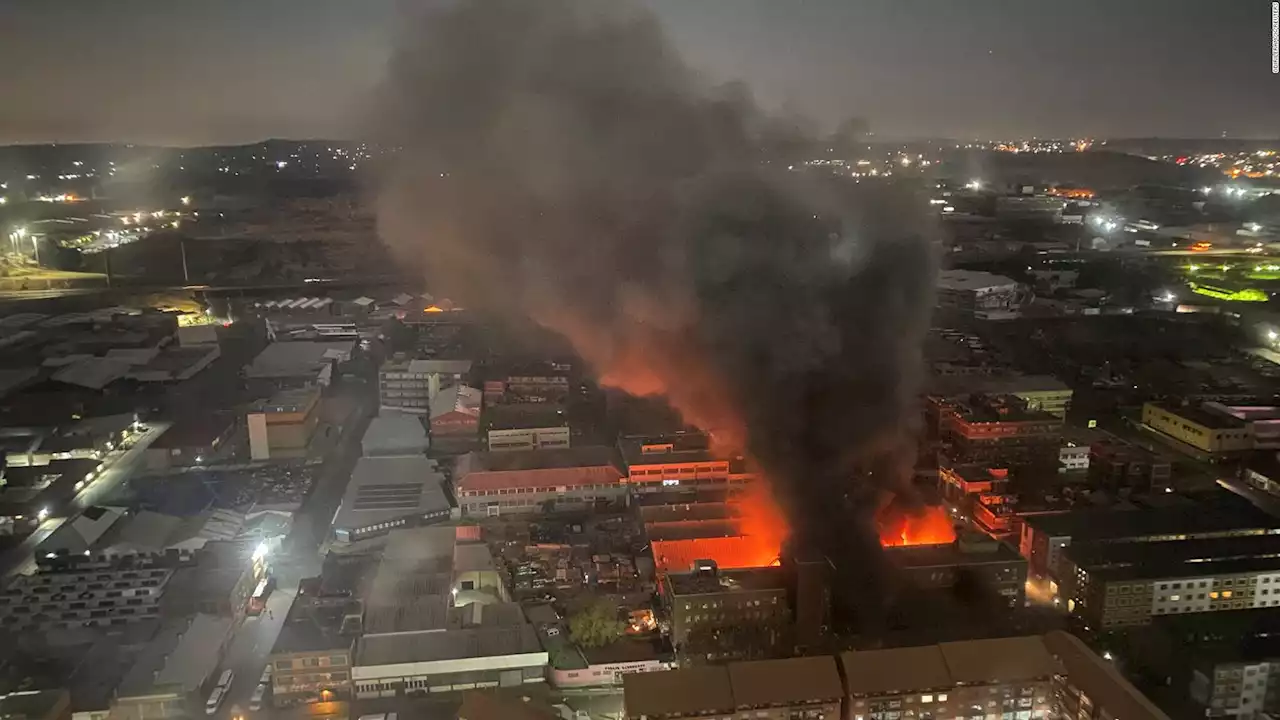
<point x="557" y="161"/>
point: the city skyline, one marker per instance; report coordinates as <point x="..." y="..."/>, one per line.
<point x="149" y="72"/>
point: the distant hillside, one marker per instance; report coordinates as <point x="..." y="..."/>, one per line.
<point x="1101" y="170"/>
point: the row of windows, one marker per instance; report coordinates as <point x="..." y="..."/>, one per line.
<point x="1228" y="582"/>
<point x="1020" y="715"/>
<point x="319" y="661"/>
<point x="723" y="603"/>
<point x="291" y="682"/>
<point x="717" y="468"/>
<point x="382" y="526"/>
<point x="531" y="491"/>
<point x="527" y="502"/>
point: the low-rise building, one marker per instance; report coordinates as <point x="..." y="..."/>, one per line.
<point x="986" y="564"/>
<point x="538" y="382"/>
<point x="1040" y="392"/>
<point x="173" y="668"/>
<point x="191" y="440"/>
<point x="298" y="363"/>
<point x="80" y="597"/>
<point x="980" y="293"/>
<point x="313" y="655"/>
<point x="721" y="615"/>
<point x="388" y="493"/>
<point x="282" y="426"/>
<point x="1116" y="465"/>
<point x="683" y="459"/>
<point x="455" y="412"/>
<point x="1204" y="430"/>
<point x="424" y="633"/>
<point x="77" y="537"/>
<point x="530" y="481"/>
<point x="526" y="426"/>
<point x="394" y="433"/>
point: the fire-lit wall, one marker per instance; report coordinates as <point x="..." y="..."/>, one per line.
<point x="659" y="475"/>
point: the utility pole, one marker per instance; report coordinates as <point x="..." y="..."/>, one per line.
<point x="182" y="247"/>
<point x="106" y="256"/>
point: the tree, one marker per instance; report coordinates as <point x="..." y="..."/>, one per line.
<point x="596" y="625"/>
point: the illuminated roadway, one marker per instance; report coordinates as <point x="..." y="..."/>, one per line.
<point x="120" y="464"/>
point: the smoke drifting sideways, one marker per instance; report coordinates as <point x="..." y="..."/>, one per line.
<point x="557" y="162"/>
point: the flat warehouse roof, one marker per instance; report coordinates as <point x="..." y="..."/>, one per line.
<point x="389" y="488"/>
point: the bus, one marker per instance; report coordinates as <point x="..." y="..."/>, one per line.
<point x="258" y="601"/>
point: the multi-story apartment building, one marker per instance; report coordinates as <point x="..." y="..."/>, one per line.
<point x="410" y="385"/>
<point x="804" y="687"/>
<point x="1241" y="688"/>
<point x="1000" y="430"/>
<point x="1016" y="678"/>
<point x="721" y="615"/>
<point x="1044" y="537"/>
<point x="1119" y="584"/>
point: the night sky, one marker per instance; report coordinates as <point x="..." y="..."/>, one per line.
<point x="228" y="71"/>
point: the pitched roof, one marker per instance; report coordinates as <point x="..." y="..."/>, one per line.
<point x="458" y="398"/>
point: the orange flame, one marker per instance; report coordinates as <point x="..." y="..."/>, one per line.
<point x="926" y="526"/>
<point x="763" y="524"/>
<point x="655" y="358"/>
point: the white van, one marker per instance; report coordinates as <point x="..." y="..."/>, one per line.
<point x="215" y="700"/>
<point x="224" y="681"/>
<point x="255" y="702"/>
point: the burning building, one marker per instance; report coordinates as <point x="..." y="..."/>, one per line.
<point x="586" y="179"/>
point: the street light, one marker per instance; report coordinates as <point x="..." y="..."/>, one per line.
<point x="260" y="552"/>
<point x="44" y="513"/>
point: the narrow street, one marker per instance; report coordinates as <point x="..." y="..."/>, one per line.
<point x="300" y="557"/>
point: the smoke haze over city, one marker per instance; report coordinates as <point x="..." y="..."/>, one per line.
<point x="581" y="175"/>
